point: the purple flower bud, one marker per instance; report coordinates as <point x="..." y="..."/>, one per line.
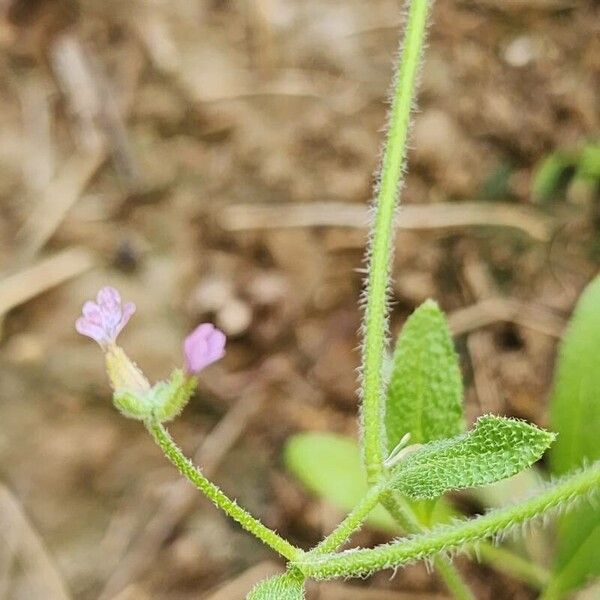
<point x="204" y="346"/>
<point x="104" y="319"/>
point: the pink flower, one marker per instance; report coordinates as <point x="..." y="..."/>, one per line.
<point x="204" y="346"/>
<point x="104" y="319"/>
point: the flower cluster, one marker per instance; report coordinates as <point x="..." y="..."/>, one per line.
<point x="105" y="318"/>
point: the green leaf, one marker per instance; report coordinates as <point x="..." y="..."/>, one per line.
<point x="549" y="174"/>
<point x="289" y="586"/>
<point x="330" y="466"/>
<point x="589" y="162"/>
<point x="424" y="396"/>
<point x="496" y="448"/>
<point x="575" y="415"/>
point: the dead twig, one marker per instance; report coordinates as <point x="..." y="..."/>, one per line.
<point x="454" y="215"/>
<point x="78" y="84"/>
<point x="94" y="105"/>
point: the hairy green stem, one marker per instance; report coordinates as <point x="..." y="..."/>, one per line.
<point x="217" y="497"/>
<point x="403" y="514"/>
<point x="562" y="494"/>
<point x="500" y="558"/>
<point x="350" y="524"/>
<point x="380" y="247"/>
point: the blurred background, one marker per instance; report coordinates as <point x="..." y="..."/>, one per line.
<point x="213" y="160"/>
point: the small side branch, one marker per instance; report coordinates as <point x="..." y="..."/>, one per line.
<point x="217" y="497"/>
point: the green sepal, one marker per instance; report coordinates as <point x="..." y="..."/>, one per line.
<point x="170" y="397"/>
<point x="289" y="586"/>
<point x="496" y="448"/>
<point x="424" y="395"/>
<point x="132" y="405"/>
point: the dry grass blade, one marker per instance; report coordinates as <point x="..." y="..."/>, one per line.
<point x="8" y="551"/>
<point x="492" y="310"/>
<point x="43" y="579"/>
<point x="76" y="79"/>
<point x="49" y="272"/>
<point x="58" y="198"/>
<point x="100" y="129"/>
<point x="39" y="160"/>
<point x="455" y="215"/>
<point x="479" y="285"/>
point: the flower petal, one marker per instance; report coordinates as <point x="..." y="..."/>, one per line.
<point x="205" y="345"/>
<point x="104" y="319"/>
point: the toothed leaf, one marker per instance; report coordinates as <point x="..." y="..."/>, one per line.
<point x="424" y="396"/>
<point x="575" y="415"/>
<point x="497" y="447"/>
<point x="289" y="586"/>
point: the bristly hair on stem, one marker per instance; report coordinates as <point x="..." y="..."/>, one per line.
<point x="216" y="496"/>
<point x="374" y="328"/>
<point x="562" y="495"/>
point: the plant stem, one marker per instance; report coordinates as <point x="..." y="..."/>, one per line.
<point x="402" y="513"/>
<point x="380" y="247"/>
<point x="452" y="578"/>
<point x="397" y="506"/>
<point x="562" y="494"/>
<point x="217" y="497"/>
<point x="500" y="558"/>
<point x="350" y="524"/>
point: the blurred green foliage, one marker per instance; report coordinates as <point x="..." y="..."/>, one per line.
<point x="575" y="416"/>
